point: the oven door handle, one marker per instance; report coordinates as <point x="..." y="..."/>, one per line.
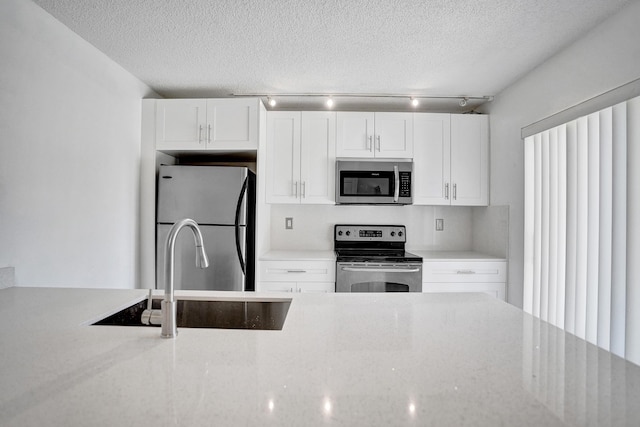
<point x="396" y="190"/>
<point x="382" y="270"/>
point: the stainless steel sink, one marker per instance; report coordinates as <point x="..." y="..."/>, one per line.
<point x="225" y="314"/>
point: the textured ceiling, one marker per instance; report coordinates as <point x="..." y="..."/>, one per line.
<point x="203" y="48"/>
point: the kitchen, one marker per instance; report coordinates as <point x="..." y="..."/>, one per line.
<point x="69" y="93"/>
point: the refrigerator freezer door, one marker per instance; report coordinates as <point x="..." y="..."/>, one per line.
<point x="208" y="195"/>
<point x="224" y="272"/>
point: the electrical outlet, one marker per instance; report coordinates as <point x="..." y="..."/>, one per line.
<point x="288" y="223"/>
<point x="439" y="224"/>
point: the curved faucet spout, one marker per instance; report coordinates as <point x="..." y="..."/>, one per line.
<point x="169" y="306"/>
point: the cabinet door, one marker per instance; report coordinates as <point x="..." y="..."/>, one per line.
<point x="283" y="157"/>
<point x="354" y="136"/>
<point x="232" y="124"/>
<point x="181" y="124"/>
<point x="317" y="157"/>
<point x="431" y="158"/>
<point x="469" y="160"/>
<point x="393" y="135"/>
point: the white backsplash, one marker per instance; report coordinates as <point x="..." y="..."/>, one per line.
<point x="313" y="225"/>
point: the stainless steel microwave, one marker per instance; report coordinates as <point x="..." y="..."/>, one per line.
<point x="374" y="182"/>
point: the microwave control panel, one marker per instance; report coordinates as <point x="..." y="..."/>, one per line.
<point x="405" y="184"/>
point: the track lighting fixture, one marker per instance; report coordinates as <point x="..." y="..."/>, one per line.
<point x="329" y="102"/>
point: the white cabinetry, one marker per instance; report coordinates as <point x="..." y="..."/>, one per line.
<point x="297" y="276"/>
<point x="207" y="124"/>
<point x="465" y="276"/>
<point x="384" y="135"/>
<point x="451" y="159"/>
<point x="301" y="157"/>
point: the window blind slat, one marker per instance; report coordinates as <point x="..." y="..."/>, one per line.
<point x="529" y="205"/>
<point x="572" y="227"/>
<point x="619" y="227"/>
<point x="562" y="225"/>
<point x="632" y="338"/>
<point x="593" y="224"/>
<point x="583" y="228"/>
<point x="605" y="229"/>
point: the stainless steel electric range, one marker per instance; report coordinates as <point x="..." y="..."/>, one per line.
<point x="372" y="258"/>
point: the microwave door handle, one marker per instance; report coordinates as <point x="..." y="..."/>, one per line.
<point x="396" y="190"/>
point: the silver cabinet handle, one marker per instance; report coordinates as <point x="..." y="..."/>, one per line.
<point x="465" y="272"/>
<point x="200" y="134"/>
<point x="209" y="135"/>
<point x="381" y="270"/>
<point x="304" y="189"/>
<point x="455" y="191"/>
<point x="295" y="189"/>
<point x="370" y="144"/>
<point x="446" y="191"/>
<point x="378" y="142"/>
<point x="296" y="271"/>
<point x="396" y="190"/>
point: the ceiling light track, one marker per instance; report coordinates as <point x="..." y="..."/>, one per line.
<point x="329" y="98"/>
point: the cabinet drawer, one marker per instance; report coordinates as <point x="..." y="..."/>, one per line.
<point x="297" y="271"/>
<point x="464" y="271"/>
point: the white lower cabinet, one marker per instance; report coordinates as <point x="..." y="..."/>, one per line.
<point x="297" y="276"/>
<point x="465" y="276"/>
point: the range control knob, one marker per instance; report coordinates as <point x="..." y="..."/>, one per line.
<point x="340" y="233"/>
<point x="348" y="233"/>
<point x="393" y="233"/>
<point x="400" y="233"/>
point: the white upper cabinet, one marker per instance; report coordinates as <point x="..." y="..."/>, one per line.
<point x="180" y="124"/>
<point x="451" y="159"/>
<point x="431" y="158"/>
<point x="207" y="124"/>
<point x="470" y="159"/>
<point x="317" y="157"/>
<point x="301" y="157"/>
<point x="384" y="135"/>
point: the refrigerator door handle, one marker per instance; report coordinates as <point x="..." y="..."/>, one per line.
<point x="243" y="191"/>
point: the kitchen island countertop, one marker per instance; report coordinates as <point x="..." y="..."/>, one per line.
<point x="341" y="359"/>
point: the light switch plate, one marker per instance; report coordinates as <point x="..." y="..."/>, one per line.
<point x="439" y="224"/>
<point x="288" y="223"/>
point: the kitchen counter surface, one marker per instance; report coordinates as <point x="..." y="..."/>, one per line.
<point x="455" y="256"/>
<point x="299" y="256"/>
<point x="341" y="359"/>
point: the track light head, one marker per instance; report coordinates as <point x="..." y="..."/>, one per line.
<point x="463" y="101"/>
<point x="272" y="102"/>
<point x="415" y="102"/>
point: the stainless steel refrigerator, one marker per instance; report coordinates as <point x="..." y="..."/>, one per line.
<point x="221" y="199"/>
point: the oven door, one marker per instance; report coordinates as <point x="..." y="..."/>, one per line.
<point x="378" y="277"/>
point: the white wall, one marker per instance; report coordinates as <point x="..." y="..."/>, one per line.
<point x="605" y="58"/>
<point x="69" y="156"/>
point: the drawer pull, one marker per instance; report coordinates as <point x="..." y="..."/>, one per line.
<point x="296" y="271"/>
<point x="465" y="272"/>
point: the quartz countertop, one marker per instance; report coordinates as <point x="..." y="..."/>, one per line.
<point x="455" y="255"/>
<point x="340" y="359"/>
<point x="279" y="255"/>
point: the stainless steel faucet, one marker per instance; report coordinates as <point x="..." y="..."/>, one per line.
<point x="169" y="305"/>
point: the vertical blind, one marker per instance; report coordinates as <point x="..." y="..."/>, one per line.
<point x="582" y="228"/>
